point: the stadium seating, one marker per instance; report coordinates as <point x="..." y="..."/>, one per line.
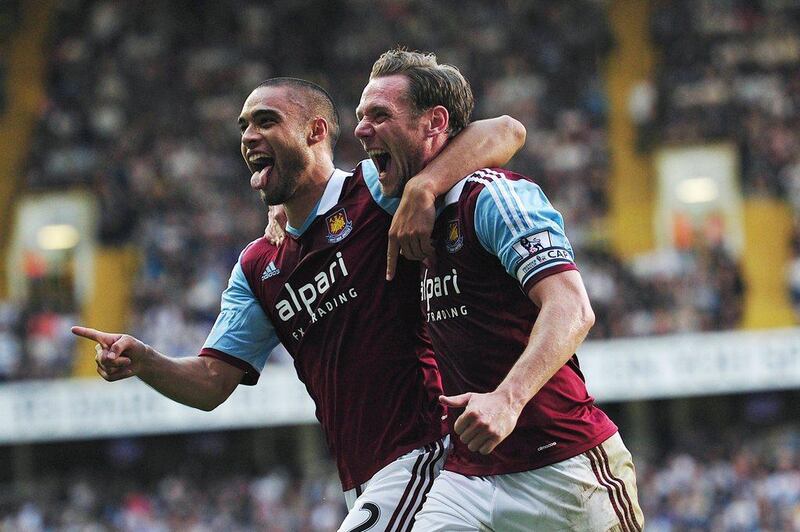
<point x="143" y="112"/>
<point x="141" y="108"/>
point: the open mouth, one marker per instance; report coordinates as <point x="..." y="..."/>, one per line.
<point x="261" y="165"/>
<point x="381" y="159"/>
<point x="259" y="162"/>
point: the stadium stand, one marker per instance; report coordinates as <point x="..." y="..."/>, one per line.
<point x="752" y="484"/>
<point x="732" y="74"/>
<point x="9" y="19"/>
<point x="140" y="109"/>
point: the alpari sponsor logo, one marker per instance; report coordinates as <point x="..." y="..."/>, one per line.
<point x="433" y="287"/>
<point x="441" y="286"/>
<point x="302" y="299"/>
<point x="446" y="313"/>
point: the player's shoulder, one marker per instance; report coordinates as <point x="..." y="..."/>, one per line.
<point x="496" y="180"/>
<point x="354" y="181"/>
<point x="486" y="176"/>
<point x="255" y="252"/>
<point x="367" y="179"/>
<point x="364" y="170"/>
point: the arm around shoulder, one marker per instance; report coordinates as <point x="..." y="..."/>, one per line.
<point x="484" y="143"/>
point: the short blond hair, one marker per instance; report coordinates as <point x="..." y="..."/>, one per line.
<point x="430" y="84"/>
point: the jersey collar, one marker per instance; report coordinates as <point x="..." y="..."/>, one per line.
<point x="329" y="198"/>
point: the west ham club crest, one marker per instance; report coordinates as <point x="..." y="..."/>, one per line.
<point x="338" y="226"/>
<point x="455" y="238"/>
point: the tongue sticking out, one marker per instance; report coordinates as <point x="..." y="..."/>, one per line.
<point x="259" y="179"/>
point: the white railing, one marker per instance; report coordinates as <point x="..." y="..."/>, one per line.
<point x="616" y="370"/>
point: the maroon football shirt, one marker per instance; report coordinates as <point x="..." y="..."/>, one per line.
<point x="358" y="342"/>
<point x="496" y="237"/>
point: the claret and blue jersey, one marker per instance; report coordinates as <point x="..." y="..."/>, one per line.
<point x="358" y="342"/>
<point x="496" y="237"/>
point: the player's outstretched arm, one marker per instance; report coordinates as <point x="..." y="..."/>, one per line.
<point x="485" y="143"/>
<point x="564" y="320"/>
<point x="199" y="382"/>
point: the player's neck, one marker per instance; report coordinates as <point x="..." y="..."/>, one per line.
<point x="308" y="194"/>
<point x="437" y="145"/>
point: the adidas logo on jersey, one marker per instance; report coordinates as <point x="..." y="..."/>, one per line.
<point x="270" y="271"/>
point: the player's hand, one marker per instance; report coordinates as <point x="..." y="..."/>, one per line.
<point x="275" y="231"/>
<point x="118" y="356"/>
<point x="487" y="420"/>
<point x="412" y="225"/>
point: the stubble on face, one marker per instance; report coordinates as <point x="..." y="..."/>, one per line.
<point x="395" y="126"/>
<point x="284" y="140"/>
<point x="290" y="163"/>
<point x="408" y="163"/>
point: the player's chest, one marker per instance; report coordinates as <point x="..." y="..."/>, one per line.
<point x="311" y="276"/>
<point x="457" y="251"/>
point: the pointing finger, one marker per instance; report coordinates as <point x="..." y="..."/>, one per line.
<point x="391" y="257"/>
<point x="100" y="337"/>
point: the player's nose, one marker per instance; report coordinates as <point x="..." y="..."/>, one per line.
<point x="363" y="129"/>
<point x="250" y="136"/>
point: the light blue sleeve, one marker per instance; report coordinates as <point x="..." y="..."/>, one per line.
<point x="371" y="178"/>
<point x="515" y="221"/>
<point x="242" y="329"/>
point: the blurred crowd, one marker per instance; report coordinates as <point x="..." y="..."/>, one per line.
<point x="274" y="502"/>
<point x="142" y="100"/>
<point x="730" y="71"/>
<point x="142" y="105"/>
<point x="755" y="486"/>
<point x="722" y="485"/>
<point x="9" y="18"/>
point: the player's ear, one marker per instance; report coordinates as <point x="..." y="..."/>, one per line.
<point x="439" y="120"/>
<point x="318" y="130"/>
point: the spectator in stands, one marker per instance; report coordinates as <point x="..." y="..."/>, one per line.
<point x="122" y="82"/>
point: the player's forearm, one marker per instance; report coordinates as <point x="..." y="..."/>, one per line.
<point x="485" y="143"/>
<point x="193" y="381"/>
<point x="560" y="327"/>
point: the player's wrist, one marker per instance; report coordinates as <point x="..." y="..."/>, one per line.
<point x="423" y="187"/>
<point x="513" y="396"/>
<point x="146" y="362"/>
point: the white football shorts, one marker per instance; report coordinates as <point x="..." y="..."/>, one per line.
<point x="390" y="500"/>
<point x="592" y="492"/>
